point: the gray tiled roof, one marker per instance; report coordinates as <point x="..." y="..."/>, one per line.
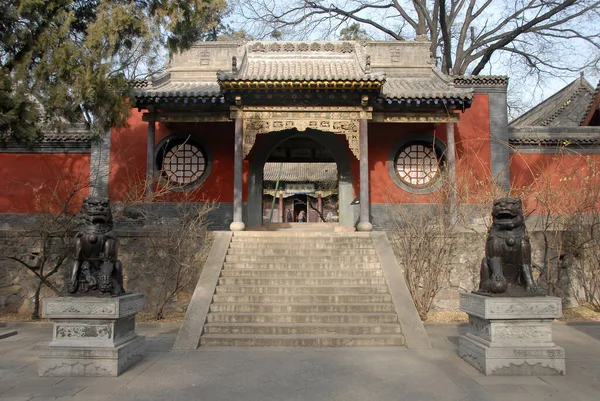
<point x="566" y="108"/>
<point x="436" y="86"/>
<point x="72" y="133"/>
<point x="181" y="89"/>
<point x="593" y="104"/>
<point x="481" y="80"/>
<point x="301" y="172"/>
<point x="554" y="136"/>
<point x="400" y="67"/>
<point x="301" y="69"/>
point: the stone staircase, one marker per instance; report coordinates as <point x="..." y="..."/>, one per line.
<point x="301" y="289"/>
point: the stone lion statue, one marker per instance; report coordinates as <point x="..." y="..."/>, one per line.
<point x="506" y="267"/>
<point x="96" y="268"/>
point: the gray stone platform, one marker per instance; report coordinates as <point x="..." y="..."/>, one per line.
<point x="92" y="336"/>
<point x="511" y="335"/>
<point x="299" y="374"/>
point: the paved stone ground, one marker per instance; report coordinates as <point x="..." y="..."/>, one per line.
<point x="313" y="374"/>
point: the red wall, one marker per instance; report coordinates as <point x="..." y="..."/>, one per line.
<point x="128" y="156"/>
<point x="42" y="182"/>
<point x="472" y="137"/>
<point x="382" y="139"/>
<point x="128" y="160"/>
<point x="561" y="182"/>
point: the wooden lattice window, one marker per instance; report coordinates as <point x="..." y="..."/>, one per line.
<point x="417" y="165"/>
<point x="182" y="162"/>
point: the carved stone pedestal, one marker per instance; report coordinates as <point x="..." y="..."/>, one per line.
<point x="92" y="336"/>
<point x="511" y="336"/>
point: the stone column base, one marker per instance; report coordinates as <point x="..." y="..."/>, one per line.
<point x="92" y="336"/>
<point x="511" y="335"/>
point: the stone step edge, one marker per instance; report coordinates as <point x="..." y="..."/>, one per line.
<point x="227" y="265"/>
<point x="300" y="336"/>
<point x="350" y="294"/>
<point x="271" y="324"/>
<point x="302" y="314"/>
<point x="303" y="286"/>
<point x="367" y="272"/>
<point x="285" y="304"/>
<point x="265" y="234"/>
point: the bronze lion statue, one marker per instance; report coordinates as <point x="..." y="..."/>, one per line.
<point x="506" y="267"/>
<point x="96" y="268"/>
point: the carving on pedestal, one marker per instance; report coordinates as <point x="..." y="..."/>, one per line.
<point x="519" y="308"/>
<point x="480" y="328"/>
<point x="472" y="305"/>
<point x="82" y="308"/>
<point x="83" y="331"/>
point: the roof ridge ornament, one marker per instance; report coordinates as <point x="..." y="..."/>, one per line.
<point x="368" y="64"/>
<point x="234" y="68"/>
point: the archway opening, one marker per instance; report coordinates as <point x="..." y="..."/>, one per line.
<point x="300" y="183"/>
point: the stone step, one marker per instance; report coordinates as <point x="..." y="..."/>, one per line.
<point x="299" y="234"/>
<point x="269" y="251"/>
<point x="286" y="290"/>
<point x="302" y="298"/>
<point x="302" y="245"/>
<point x="300" y="328"/>
<point x="301" y="281"/>
<point x="318" y="273"/>
<point x="306" y="340"/>
<point x="291" y="265"/>
<point x="337" y="318"/>
<point x="340" y="258"/>
<point x="302" y="308"/>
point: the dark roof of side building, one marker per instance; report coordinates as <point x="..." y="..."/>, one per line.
<point x="592" y="115"/>
<point x="566" y="108"/>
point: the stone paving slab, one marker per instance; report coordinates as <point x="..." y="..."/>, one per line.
<point x="227" y="373"/>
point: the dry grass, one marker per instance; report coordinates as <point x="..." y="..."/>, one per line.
<point x="444" y="316"/>
<point x="169" y="317"/>
<point x="582" y="313"/>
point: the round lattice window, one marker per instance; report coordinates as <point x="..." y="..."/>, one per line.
<point x="182" y="162"/>
<point x="417" y="165"/>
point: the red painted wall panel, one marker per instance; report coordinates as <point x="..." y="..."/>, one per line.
<point x="472" y="136"/>
<point x="128" y="160"/>
<point x="41" y="182"/>
<point x="561" y="182"/>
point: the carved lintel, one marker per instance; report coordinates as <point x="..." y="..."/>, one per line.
<point x="341" y="120"/>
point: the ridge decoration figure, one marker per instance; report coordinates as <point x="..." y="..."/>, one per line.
<point x="506" y="267"/>
<point x="96" y="268"/>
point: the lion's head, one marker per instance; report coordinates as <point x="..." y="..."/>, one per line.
<point x="96" y="211"/>
<point x="507" y="213"/>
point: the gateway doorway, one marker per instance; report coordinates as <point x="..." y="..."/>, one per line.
<point x="300" y="184"/>
<point x="271" y="148"/>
